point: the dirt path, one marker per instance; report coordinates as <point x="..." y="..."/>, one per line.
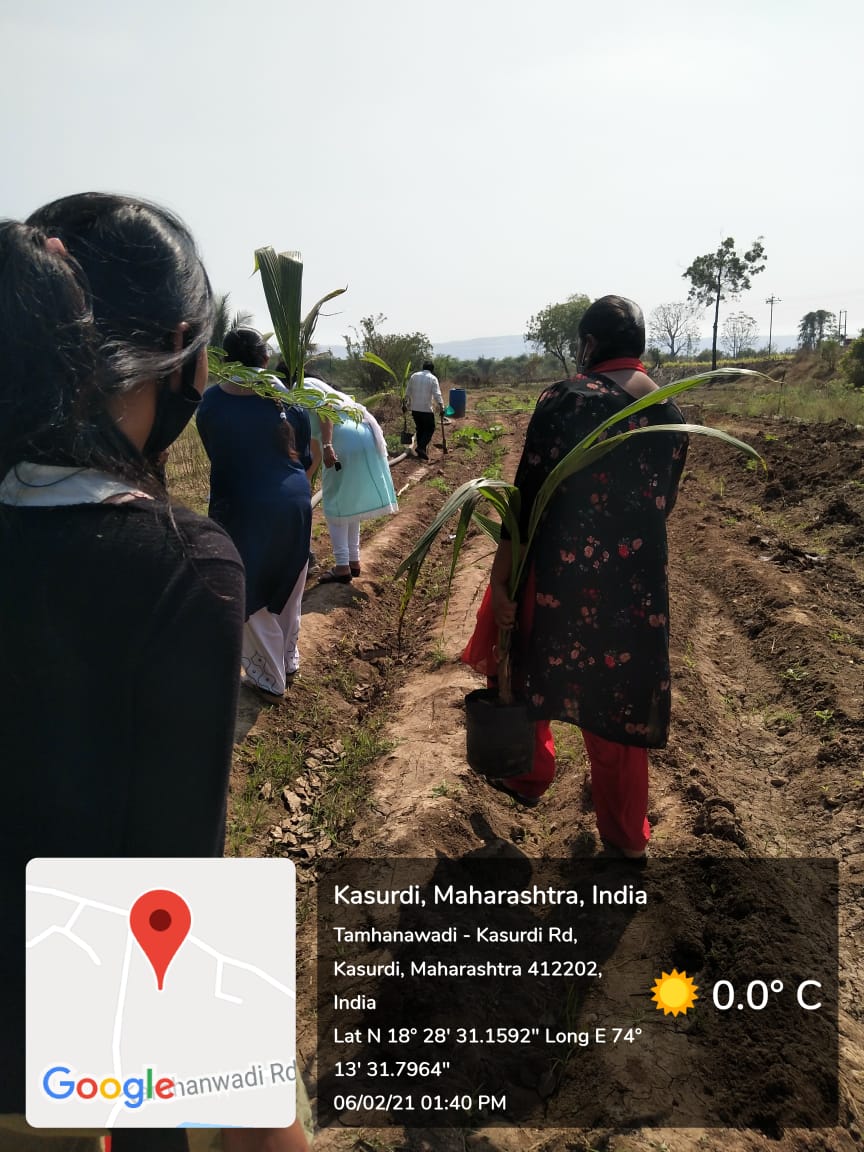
<point x="764" y="758"/>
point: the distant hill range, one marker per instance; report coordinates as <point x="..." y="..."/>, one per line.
<point x="491" y="347"/>
<point x="500" y="347"/>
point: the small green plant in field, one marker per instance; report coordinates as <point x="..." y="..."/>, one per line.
<point x="730" y="521"/>
<point x="777" y="716"/>
<point x="769" y="437"/>
<point x="824" y="715"/>
<point x="439" y="655"/>
<point x="795" y="673"/>
<point x="494" y="469"/>
<point x="473" y="435"/>
<point x="343" y="680"/>
<point x="442" y="789"/>
<point x="510" y="404"/>
<point x="838" y="637"/>
<point x="751" y="465"/>
<point x="440" y="485"/>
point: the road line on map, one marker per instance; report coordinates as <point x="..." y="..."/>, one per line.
<point x="241" y="964"/>
<point x="69" y="935"/>
<point x="81" y="899"/>
<point x="118" y="1023"/>
<point x="220" y="995"/>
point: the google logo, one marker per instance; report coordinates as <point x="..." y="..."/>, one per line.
<point x="135" y="1090"/>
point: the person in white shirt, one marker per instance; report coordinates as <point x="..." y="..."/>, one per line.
<point x="422" y="394"/>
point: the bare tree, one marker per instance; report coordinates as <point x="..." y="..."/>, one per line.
<point x="739" y="333"/>
<point x="674" y="326"/>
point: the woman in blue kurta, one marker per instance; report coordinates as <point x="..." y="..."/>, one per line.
<point x="260" y="495"/>
<point x="356" y="483"/>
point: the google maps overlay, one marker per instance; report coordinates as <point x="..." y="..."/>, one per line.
<point x="160" y="993"/>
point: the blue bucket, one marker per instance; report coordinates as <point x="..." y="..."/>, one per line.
<point x="458" y="400"/>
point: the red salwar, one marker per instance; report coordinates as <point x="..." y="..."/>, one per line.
<point x="619" y="772"/>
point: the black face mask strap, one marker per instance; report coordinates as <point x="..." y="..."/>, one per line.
<point x="188" y="372"/>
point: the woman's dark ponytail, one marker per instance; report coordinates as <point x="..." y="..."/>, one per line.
<point x="50" y="344"/>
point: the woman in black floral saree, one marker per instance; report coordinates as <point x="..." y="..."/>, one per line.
<point x="593" y="619"/>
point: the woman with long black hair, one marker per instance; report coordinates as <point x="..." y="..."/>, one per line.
<point x="120" y="616"/>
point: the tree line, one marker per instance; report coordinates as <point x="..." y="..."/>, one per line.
<point x="553" y="332"/>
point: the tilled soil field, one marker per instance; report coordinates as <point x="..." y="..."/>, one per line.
<point x="764" y="758"/>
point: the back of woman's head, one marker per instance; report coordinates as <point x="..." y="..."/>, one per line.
<point x="246" y="346"/>
<point x="618" y="328"/>
<point x="83" y="326"/>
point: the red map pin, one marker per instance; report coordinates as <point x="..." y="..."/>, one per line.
<point x="160" y="922"/>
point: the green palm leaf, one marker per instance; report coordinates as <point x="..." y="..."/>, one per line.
<point x="491" y="527"/>
<point x="578" y="457"/>
<point x="506" y="499"/>
<point x="282" y="281"/>
<point x="371" y="358"/>
<point x="307" y="328"/>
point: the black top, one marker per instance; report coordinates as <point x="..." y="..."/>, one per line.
<point x="120" y="632"/>
<point x="598" y="654"/>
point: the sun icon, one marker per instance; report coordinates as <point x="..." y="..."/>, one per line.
<point x="674" y="992"/>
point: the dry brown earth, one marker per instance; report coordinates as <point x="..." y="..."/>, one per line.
<point x="764" y="758"/>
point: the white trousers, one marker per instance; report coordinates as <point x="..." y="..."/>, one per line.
<point x="270" y="651"/>
<point x="345" y="539"/>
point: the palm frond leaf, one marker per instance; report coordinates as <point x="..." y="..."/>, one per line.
<point x="282" y="281"/>
<point x="264" y="384"/>
<point x="577" y="457"/>
<point x="491" y="527"/>
<point x="307" y="328"/>
<point x="505" y="498"/>
<point x="371" y="358"/>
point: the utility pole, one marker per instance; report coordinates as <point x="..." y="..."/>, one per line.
<point x="841" y="324"/>
<point x="772" y="300"/>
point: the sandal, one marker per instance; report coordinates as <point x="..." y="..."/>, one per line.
<point x="332" y="577"/>
<point x="355" y="569"/>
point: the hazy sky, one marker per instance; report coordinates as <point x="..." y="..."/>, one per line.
<point x="458" y="163"/>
